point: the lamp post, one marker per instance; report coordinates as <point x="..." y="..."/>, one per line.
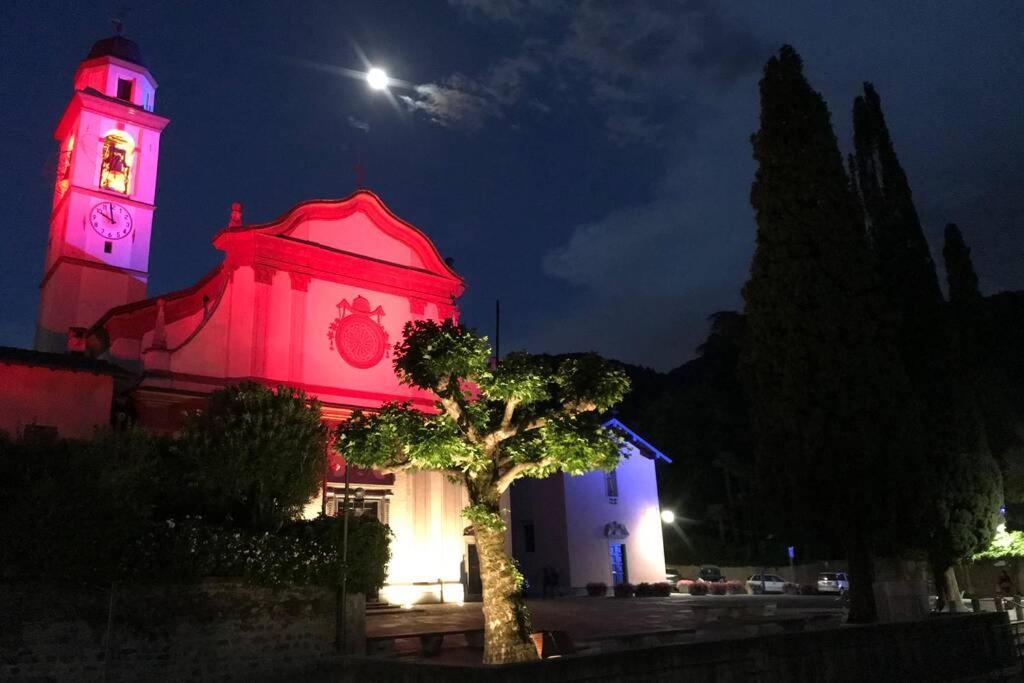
<point x="339" y="632"/>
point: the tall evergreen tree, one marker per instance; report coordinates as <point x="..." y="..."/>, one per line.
<point x="960" y="487"/>
<point x="828" y="394"/>
<point x="960" y="275"/>
<point x="979" y="331"/>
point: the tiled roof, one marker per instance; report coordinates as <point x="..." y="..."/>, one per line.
<point x="58" y="361"/>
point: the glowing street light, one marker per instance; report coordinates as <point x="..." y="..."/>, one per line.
<point x="377" y="79"/>
<point x="667" y="516"/>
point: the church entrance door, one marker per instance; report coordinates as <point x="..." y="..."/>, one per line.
<point x="617" y="555"/>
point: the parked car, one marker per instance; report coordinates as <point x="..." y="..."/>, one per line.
<point x="833" y="582"/>
<point x="766" y="583"/>
<point x="672" y="577"/>
<point x="711" y="574"/>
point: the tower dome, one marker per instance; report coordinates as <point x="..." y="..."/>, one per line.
<point x="117" y="46"/>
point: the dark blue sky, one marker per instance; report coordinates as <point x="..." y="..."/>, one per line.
<point x="586" y="162"/>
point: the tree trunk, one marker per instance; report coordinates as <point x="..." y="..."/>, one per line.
<point x="948" y="589"/>
<point x="862" y="579"/>
<point x="506" y="619"/>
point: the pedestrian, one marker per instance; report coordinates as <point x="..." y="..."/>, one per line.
<point x="1005" y="584"/>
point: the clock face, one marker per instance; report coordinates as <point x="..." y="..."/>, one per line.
<point x="111" y="220"/>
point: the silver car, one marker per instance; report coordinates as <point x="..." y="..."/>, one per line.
<point x="833" y="582"/>
<point x="766" y="583"/>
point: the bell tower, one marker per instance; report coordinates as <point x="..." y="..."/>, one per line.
<point x="97" y="256"/>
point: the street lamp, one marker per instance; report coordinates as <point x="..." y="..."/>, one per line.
<point x="668" y="517"/>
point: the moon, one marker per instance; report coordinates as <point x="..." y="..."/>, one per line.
<point x="377" y="78"/>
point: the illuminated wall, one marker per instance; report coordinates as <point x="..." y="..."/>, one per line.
<point x="570" y="515"/>
<point x="74" y="402"/>
<point x="315" y="299"/>
<point x="103" y="201"/>
<point x="588" y="510"/>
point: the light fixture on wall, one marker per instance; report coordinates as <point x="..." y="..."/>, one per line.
<point x="668" y="517"/>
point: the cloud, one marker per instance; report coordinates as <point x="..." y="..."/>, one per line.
<point x="462" y="102"/>
<point x="515" y="11"/>
<point x="358" y="124"/>
<point x="632" y="61"/>
<point x="457" y="103"/>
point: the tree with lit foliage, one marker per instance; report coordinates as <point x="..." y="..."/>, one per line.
<point x="520" y="417"/>
<point x="828" y="395"/>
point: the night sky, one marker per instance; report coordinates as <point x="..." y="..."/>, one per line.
<point x="588" y="163"/>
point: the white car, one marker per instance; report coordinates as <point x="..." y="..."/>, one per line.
<point x="833" y="582"/>
<point x="766" y="583"/>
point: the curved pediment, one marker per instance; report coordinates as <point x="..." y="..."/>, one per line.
<point x="360" y="225"/>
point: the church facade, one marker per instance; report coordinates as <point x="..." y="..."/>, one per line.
<point x="314" y="300"/>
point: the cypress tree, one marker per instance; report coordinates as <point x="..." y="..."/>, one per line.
<point x="962" y="493"/>
<point x="827" y="392"/>
<point x="978" y="332"/>
<point x="960" y="275"/>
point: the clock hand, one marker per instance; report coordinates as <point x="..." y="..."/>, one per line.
<point x="110" y="216"/>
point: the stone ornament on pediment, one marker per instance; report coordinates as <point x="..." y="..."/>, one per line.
<point x="357" y="334"/>
<point x="614" y="530"/>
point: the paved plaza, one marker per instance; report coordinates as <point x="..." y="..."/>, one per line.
<point x="603" y="623"/>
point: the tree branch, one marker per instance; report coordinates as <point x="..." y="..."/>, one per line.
<point x="393" y="469"/>
<point x="454" y="409"/>
<point x="516" y="471"/>
<point x="510" y="409"/>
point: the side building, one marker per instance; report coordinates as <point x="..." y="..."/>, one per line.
<point x="600" y="527"/>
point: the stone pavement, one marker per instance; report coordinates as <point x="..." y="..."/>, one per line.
<point x="588" y="620"/>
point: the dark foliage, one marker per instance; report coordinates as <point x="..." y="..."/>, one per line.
<point x="73" y="509"/>
<point x="828" y="394"/>
<point x="653" y="590"/>
<point x="961" y="485"/>
<point x="128" y="506"/>
<point x="255" y="455"/>
<point x="624" y="590"/>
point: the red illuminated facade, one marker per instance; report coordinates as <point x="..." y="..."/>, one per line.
<point x="314" y="299"/>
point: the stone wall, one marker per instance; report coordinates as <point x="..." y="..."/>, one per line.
<point x="981" y="579"/>
<point x="954" y="648"/>
<point x="807" y="573"/>
<point x="222" y="630"/>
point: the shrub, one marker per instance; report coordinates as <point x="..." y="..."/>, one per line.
<point x="597" y="590"/>
<point x="683" y="585"/>
<point x="305" y="552"/>
<point x="369" y="549"/>
<point x="653" y="590"/>
<point x="624" y="590"/>
<point x="72" y="509"/>
<point x="699" y="588"/>
<point x="662" y="589"/>
<point x="717" y="588"/>
<point x="255" y="456"/>
<point x="735" y="587"/>
<point x="808" y="589"/>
